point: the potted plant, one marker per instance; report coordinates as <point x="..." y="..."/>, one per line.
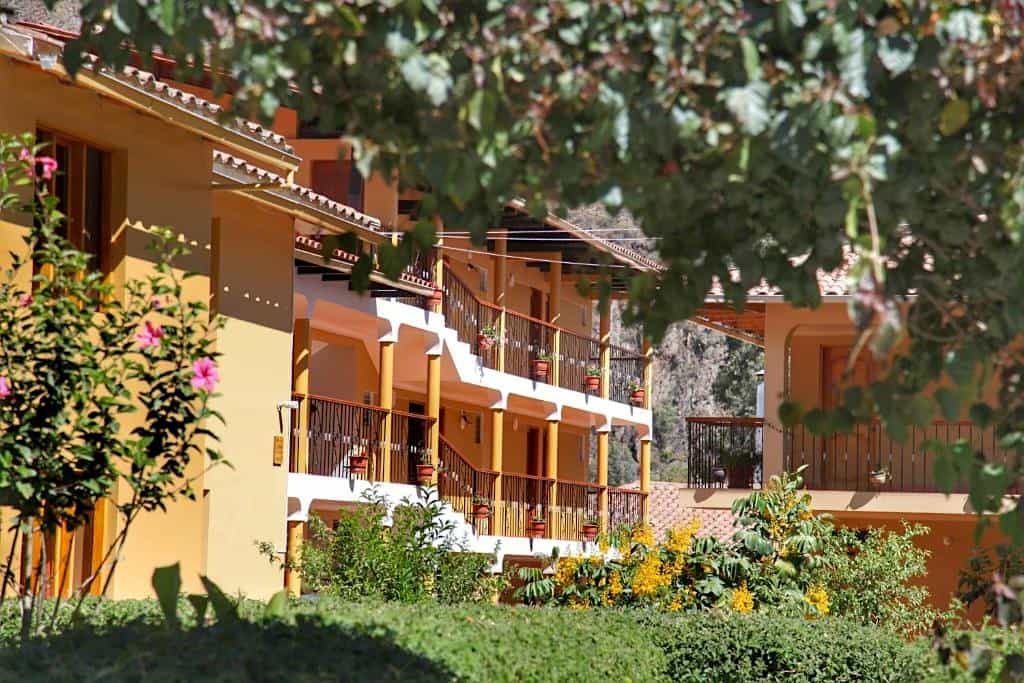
<point x="358" y="461"/>
<point x="541" y="366"/>
<point x="435" y="298"/>
<point x="537" y="525"/>
<point x="481" y="507"/>
<point x="739" y="463"/>
<point x="637" y="393"/>
<point x="879" y="476"/>
<point x="487" y="338"/>
<point x="590" y="527"/>
<point x="424" y="470"/>
<point x="593" y="378"/>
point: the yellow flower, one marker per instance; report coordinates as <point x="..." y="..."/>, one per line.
<point x="649" y="577"/>
<point x="806" y="514"/>
<point x="675" y="605"/>
<point x="679" y="540"/>
<point x="576" y="603"/>
<point x="643" y="534"/>
<point x="742" y="599"/>
<point x="615" y="584"/>
<point x="565" y="571"/>
<point x="817" y="597"/>
<point x="602" y="546"/>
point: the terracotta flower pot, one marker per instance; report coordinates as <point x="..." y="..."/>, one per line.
<point x="481" y="511"/>
<point x="424" y="473"/>
<point x="536" y="529"/>
<point x="589" y="532"/>
<point x="593" y="382"/>
<point x="540" y="370"/>
<point x="357" y="464"/>
<point x="637" y="397"/>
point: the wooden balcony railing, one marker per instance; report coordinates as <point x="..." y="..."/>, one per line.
<point x="459" y="483"/>
<point x="724" y="442"/>
<point x="576" y="502"/>
<point x="340" y="430"/>
<point x="522" y="497"/>
<point x="845" y="462"/>
<point x="520" y="340"/>
<point x="625" y="507"/>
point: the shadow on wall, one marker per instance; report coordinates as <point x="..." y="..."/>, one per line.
<point x="308" y="651"/>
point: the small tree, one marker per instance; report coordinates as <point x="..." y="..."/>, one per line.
<point x="100" y="390"/>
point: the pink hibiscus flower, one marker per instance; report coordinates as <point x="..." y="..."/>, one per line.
<point x="49" y="165"/>
<point x="5" y="387"/>
<point x="204" y="375"/>
<point x="150" y="335"/>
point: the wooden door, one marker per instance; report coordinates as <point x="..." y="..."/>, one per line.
<point x="847" y="458"/>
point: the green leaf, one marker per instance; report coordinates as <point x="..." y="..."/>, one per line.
<point x="921" y="410"/>
<point x="277" y="607"/>
<point x="167" y="584"/>
<point x="949" y="403"/>
<point x="749" y="104"/>
<point x="224" y="607"/>
<point x="954" y="116"/>
<point x="199" y="603"/>
<point x="852" y="59"/>
<point x="751" y="60"/>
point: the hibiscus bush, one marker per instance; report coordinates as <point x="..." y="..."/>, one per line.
<point x="102" y="388"/>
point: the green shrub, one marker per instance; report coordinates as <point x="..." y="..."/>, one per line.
<point x="760" y="647"/>
<point x="412" y="560"/>
<point x="331" y="641"/>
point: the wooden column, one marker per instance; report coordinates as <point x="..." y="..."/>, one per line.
<point x="603" y="438"/>
<point x="645" y="476"/>
<point x="555" y="318"/>
<point x="497" y="463"/>
<point x="292" y="577"/>
<point x="500" y="283"/>
<point x="434" y="407"/>
<point x="606" y="351"/>
<point x="97" y="545"/>
<point x="551" y="472"/>
<point x="439" y="260"/>
<point x="387" y="401"/>
<point x="648" y="378"/>
<point x="302" y="351"/>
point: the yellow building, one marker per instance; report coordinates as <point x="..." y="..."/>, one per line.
<point x="477" y="370"/>
<point x="864" y="478"/>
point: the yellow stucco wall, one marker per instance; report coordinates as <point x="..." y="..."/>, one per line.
<point x="160" y="175"/>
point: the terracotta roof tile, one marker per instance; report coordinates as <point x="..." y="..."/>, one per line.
<point x="299" y="192"/>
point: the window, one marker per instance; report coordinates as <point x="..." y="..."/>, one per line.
<point x="483" y="279"/>
<point x="82" y="188"/>
<point x="340" y="180"/>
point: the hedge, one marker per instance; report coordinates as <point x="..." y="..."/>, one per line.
<point x="332" y="641"/>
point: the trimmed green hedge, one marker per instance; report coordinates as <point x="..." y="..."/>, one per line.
<point x="339" y="641"/>
<point x="759" y="647"/>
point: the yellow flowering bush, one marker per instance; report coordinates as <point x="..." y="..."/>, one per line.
<point x="742" y="599"/>
<point x="817" y="598"/>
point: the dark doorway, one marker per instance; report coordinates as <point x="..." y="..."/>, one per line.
<point x="416" y="441"/>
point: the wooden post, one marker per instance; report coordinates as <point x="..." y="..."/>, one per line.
<point x="554" y="317"/>
<point x="645" y="476"/>
<point x="439" y="260"/>
<point x="603" y="435"/>
<point x="648" y="373"/>
<point x="387" y="401"/>
<point x="302" y="352"/>
<point x="292" y="577"/>
<point x="500" y="284"/>
<point x="434" y="407"/>
<point x="497" y="462"/>
<point x="98" y="546"/>
<point x="551" y="472"/>
<point x="606" y="351"/>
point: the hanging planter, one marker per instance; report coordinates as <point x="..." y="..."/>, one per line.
<point x="424" y="473"/>
<point x="590" y="528"/>
<point x="481" y="508"/>
<point x="537" y="527"/>
<point x="542" y="367"/>
<point x="879" y="477"/>
<point x="487" y="338"/>
<point x="357" y="463"/>
<point x="637" y="394"/>
<point x="592" y="380"/>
